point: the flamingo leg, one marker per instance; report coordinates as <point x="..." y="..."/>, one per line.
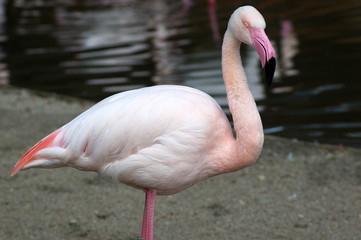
<point x="148" y="216"/>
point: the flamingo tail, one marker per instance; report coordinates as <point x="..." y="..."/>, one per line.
<point x="29" y="155"/>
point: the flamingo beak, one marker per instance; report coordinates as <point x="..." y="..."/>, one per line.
<point x="265" y="51"/>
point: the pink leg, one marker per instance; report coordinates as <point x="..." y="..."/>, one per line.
<point x="148" y="217"/>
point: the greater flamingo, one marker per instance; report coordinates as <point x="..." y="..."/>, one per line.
<point x="164" y="139"/>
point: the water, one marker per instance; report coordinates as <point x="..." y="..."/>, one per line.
<point x="92" y="49"/>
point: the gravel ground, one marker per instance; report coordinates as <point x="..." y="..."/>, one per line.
<point x="296" y="190"/>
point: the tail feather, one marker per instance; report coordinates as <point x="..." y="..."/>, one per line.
<point x="28" y="156"/>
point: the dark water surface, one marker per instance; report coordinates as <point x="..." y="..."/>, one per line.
<point x="92" y="49"/>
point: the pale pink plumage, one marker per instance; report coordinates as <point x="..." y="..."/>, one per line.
<point x="164" y="139"/>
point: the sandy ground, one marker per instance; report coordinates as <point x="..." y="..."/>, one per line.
<point x="295" y="191"/>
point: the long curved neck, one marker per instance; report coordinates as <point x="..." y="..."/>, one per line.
<point x="247" y="122"/>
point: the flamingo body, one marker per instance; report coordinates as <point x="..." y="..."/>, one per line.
<point x="131" y="139"/>
<point x="164" y="139"/>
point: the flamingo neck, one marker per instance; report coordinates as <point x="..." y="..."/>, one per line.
<point x="247" y="146"/>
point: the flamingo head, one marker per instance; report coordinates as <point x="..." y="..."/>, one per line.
<point x="247" y="25"/>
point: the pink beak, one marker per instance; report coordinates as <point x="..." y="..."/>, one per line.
<point x="265" y="51"/>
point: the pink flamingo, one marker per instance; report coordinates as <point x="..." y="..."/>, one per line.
<point x="164" y="139"/>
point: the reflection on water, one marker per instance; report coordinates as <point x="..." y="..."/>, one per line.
<point x="289" y="49"/>
<point x="92" y="49"/>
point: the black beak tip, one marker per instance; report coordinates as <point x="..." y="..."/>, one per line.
<point x="270" y="68"/>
